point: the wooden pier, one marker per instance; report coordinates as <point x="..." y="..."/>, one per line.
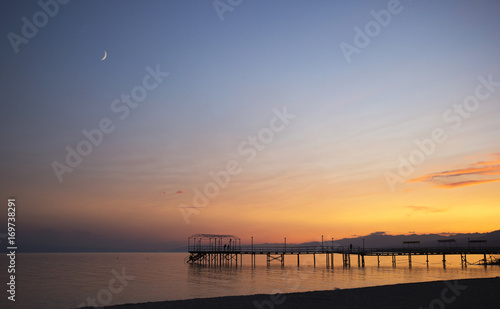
<point x="220" y="250"/>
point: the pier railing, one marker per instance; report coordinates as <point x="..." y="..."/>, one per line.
<point x="341" y="249"/>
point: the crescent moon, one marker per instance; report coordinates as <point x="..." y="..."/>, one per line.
<point x="105" y="55"/>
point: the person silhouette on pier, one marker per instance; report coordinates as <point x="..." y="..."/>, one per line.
<point x="350" y="247"/>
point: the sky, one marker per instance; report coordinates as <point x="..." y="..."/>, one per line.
<point x="268" y="119"/>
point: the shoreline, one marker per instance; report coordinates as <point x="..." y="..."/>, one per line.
<point x="461" y="293"/>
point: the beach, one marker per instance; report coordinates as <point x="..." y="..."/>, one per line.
<point x="466" y="293"/>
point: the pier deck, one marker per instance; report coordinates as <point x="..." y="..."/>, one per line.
<point x="219" y="251"/>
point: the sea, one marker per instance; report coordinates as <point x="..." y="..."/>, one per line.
<point x="72" y="280"/>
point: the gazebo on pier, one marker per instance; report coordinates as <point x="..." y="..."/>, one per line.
<point x="213" y="242"/>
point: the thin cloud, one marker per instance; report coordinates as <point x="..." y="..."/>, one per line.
<point x="176" y="192"/>
<point x="490" y="170"/>
<point x="496" y="162"/>
<point x="425" y="209"/>
<point x="448" y="179"/>
<point x="465" y="183"/>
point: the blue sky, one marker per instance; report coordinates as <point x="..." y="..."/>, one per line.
<point x="353" y="120"/>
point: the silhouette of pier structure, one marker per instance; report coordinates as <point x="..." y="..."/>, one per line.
<point x="221" y="250"/>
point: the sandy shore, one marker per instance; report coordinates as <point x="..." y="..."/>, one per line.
<point x="467" y="293"/>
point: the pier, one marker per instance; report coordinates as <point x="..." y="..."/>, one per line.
<point x="220" y="250"/>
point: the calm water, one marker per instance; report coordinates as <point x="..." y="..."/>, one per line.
<point x="66" y="280"/>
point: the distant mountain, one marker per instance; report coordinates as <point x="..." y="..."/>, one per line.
<point x="492" y="238"/>
<point x="383" y="240"/>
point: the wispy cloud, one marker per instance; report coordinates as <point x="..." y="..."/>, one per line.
<point x="495" y="170"/>
<point x="495" y="162"/>
<point x="448" y="179"/>
<point x="425" y="208"/>
<point x="465" y="183"/>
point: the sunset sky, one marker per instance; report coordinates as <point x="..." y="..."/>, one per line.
<point x="400" y="133"/>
